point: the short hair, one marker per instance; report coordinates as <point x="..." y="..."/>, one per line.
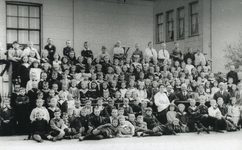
<point x="120" y="108"/>
<point x="21" y="89"/>
<point x="88" y="101"/>
<point x="140" y="117"/>
<point x="121" y="117"/>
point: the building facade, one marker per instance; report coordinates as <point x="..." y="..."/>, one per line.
<point x="201" y="24"/>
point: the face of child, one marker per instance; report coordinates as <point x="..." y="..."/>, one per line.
<point x="40" y="96"/>
<point x="122" y="121"/>
<point x="233" y="101"/>
<point x="55" y="87"/>
<point x="111" y="103"/>
<point x="52" y="93"/>
<point x="126" y="102"/>
<point x="88" y="105"/>
<point x="148" y="112"/>
<point x="220" y="102"/>
<point x="213" y="103"/>
<point x="172" y="108"/>
<point x="114" y="113"/>
<point x="6" y="103"/>
<point x="39" y="115"/>
<point x="202" y="101"/>
<point x="83" y="113"/>
<point x="77" y="104"/>
<point x="131" y="117"/>
<point x="120" y="112"/>
<point x="52" y="103"/>
<point x="97" y="112"/>
<point x="22" y="92"/>
<point x="99" y="102"/>
<point x="115" y="122"/>
<point x="25" y="59"/>
<point x="181" y="108"/>
<point x="57" y="115"/>
<point x="192" y="103"/>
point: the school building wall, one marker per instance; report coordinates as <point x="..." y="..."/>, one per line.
<point x="101" y="22"/>
<point x="226" y="29"/>
<point x="162" y="6"/>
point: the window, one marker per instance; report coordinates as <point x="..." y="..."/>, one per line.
<point x="194" y="18"/>
<point x="181" y="23"/>
<point x="159" y="28"/>
<point x="170" y="25"/>
<point x="23" y="23"/>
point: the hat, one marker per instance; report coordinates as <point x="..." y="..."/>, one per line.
<point x="15" y="42"/>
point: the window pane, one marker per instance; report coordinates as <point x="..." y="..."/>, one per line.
<point x="34" y="11"/>
<point x="34" y="23"/>
<point x="160" y="19"/>
<point x="12" y="22"/>
<point x="12" y="10"/>
<point x="23" y="11"/>
<point x="37" y="47"/>
<point x="181" y="13"/>
<point x="11" y="36"/>
<point x="23" y="37"/>
<point x="194" y="8"/>
<point x="34" y="37"/>
<point x="23" y="23"/>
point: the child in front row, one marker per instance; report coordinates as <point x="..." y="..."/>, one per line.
<point x="108" y="130"/>
<point x="39" y="127"/>
<point x="57" y="127"/>
<point x="40" y="107"/>
<point x="6" y="118"/>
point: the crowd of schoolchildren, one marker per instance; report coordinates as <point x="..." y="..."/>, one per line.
<point x="79" y="96"/>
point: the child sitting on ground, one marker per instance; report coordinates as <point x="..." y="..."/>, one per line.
<point x="171" y="117"/>
<point x="39" y="127"/>
<point x="6" y="118"/>
<point x="108" y="130"/>
<point x="126" y="129"/>
<point x="57" y="127"/>
<point x="183" y="118"/>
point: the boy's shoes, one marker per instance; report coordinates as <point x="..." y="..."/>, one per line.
<point x="238" y="127"/>
<point x="157" y="134"/>
<point x="54" y="139"/>
<point x="207" y="131"/>
<point x="81" y="138"/>
<point x="49" y="137"/>
<point x="199" y="130"/>
<point x="40" y="141"/>
<point x="139" y="134"/>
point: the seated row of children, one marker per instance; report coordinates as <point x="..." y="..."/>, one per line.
<point x="107" y="120"/>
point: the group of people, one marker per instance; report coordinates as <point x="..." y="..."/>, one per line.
<point x="79" y="96"/>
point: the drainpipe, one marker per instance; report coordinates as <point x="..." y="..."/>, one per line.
<point x="211" y="34"/>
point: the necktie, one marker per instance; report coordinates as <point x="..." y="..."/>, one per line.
<point x="151" y="52"/>
<point x="15" y="53"/>
<point x="164" y="53"/>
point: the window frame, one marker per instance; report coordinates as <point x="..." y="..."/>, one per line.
<point x="17" y="29"/>
<point x="179" y="37"/>
<point x="157" y="28"/>
<point x="191" y="14"/>
<point x="167" y="25"/>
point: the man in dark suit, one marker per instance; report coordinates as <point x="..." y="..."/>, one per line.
<point x="170" y="94"/>
<point x="183" y="96"/>
<point x="222" y="93"/>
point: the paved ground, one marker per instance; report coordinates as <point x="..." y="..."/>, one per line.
<point x="185" y="141"/>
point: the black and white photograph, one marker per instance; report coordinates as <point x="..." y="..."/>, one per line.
<point x="121" y="74"/>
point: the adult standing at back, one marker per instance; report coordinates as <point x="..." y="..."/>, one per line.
<point x="51" y="49"/>
<point x="163" y="53"/>
<point x="162" y="102"/>
<point x="150" y="52"/>
<point x="199" y="58"/>
<point x="137" y="53"/>
<point x="176" y="54"/>
<point x="30" y="48"/>
<point x="118" y="51"/>
<point x="86" y="52"/>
